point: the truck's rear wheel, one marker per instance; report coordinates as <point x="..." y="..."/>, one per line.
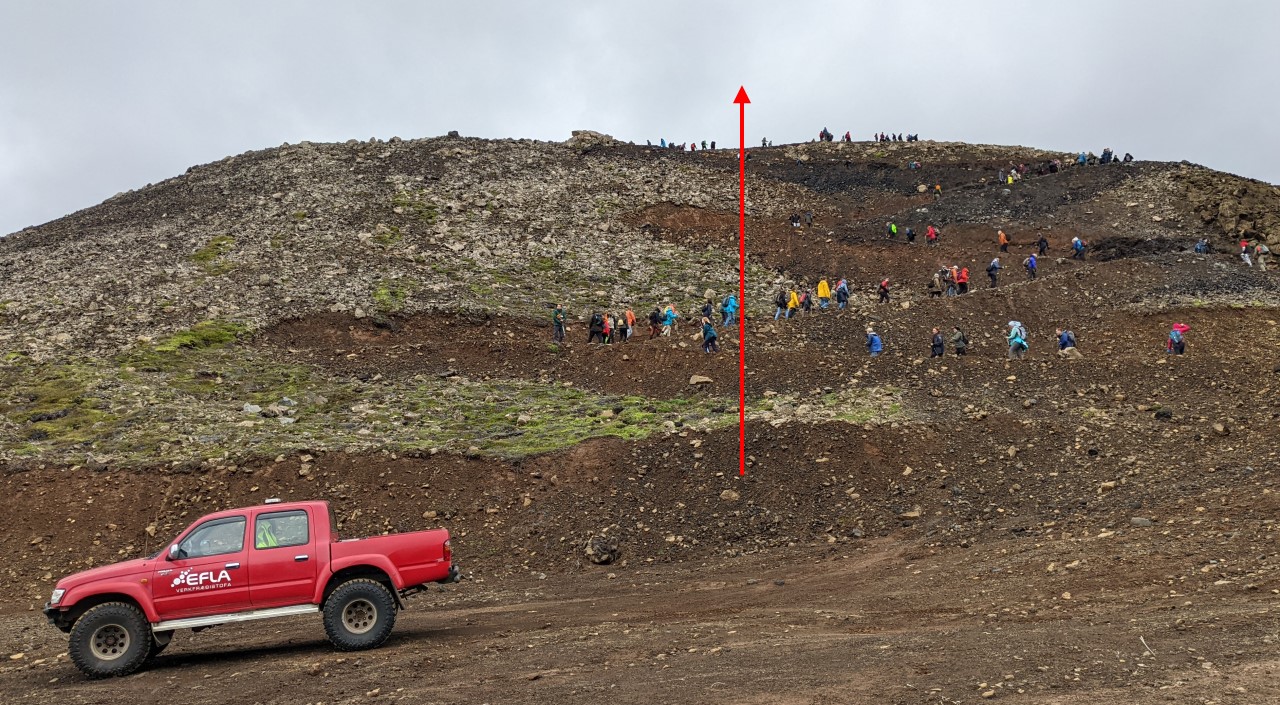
<point x="359" y="614"/>
<point x="111" y="639"/>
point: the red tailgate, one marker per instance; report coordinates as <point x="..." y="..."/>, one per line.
<point x="419" y="557"/>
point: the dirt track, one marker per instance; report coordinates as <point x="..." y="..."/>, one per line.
<point x="881" y="622"/>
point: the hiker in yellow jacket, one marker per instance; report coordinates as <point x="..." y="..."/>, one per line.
<point x="824" y="293"/>
<point x="793" y="303"/>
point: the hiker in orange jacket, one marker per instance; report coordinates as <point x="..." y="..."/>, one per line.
<point x="1004" y="241"/>
<point x="631" y="322"/>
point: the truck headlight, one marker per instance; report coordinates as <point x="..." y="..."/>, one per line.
<point x="57" y="596"/>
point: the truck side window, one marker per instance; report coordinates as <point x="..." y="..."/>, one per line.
<point x="281" y="529"/>
<point x="214" y="538"/>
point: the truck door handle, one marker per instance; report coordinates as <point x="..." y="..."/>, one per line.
<point x="232" y="565"/>
<point x="301" y="557"/>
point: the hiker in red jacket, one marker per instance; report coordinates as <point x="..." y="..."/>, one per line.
<point x="963" y="280"/>
<point x="884" y="291"/>
<point x="931" y="235"/>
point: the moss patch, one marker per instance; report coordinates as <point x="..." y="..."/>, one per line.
<point x="416" y="204"/>
<point x="211" y="257"/>
<point x="390" y="295"/>
<point x="204" y="334"/>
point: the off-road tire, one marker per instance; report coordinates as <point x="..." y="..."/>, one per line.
<point x="111" y="639"/>
<point x="359" y="614"/>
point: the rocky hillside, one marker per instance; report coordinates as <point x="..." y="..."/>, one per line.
<point x="374" y="295"/>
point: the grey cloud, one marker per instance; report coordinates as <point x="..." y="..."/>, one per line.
<point x="96" y="98"/>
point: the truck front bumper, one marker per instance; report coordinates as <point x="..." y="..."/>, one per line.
<point x="56" y="617"/>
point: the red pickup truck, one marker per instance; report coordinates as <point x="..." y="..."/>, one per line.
<point x="273" y="560"/>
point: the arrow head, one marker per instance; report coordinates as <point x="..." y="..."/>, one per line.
<point x="742" y="96"/>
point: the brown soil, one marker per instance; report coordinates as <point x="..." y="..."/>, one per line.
<point x="1045" y="531"/>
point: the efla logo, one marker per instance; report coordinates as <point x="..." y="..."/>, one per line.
<point x="191" y="581"/>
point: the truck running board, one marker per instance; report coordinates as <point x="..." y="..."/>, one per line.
<point x="211" y="620"/>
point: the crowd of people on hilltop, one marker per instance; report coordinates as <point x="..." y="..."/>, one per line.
<point x="824" y="135"/>
<point x="682" y="146"/>
<point x="1108" y="157"/>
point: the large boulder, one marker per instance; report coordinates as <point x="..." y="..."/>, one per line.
<point x="586" y="140"/>
<point x="603" y="550"/>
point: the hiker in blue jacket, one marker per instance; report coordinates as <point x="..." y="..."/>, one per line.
<point x="842" y="294"/>
<point x="1066" y="339"/>
<point x="1077" y="248"/>
<point x="1017" y="340"/>
<point x="709" y="336"/>
<point x="1030" y="264"/>
<point x="874" y="345"/>
<point x="730" y="308"/>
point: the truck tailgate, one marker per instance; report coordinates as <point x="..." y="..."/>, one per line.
<point x="419" y="556"/>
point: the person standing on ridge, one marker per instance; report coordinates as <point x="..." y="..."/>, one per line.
<point x="959" y="341"/>
<point x="874" y="345"/>
<point x="824" y="293"/>
<point x="883" y="291"/>
<point x="936" y="345"/>
<point x="557" y="324"/>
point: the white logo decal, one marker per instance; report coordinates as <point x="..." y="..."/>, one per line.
<point x="190" y="581"/>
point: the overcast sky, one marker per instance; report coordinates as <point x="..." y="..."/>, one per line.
<point x="100" y="97"/>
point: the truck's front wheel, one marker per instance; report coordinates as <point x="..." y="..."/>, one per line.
<point x="111" y="639"/>
<point x="359" y="614"/>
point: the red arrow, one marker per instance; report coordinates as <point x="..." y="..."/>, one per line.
<point x="742" y="101"/>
